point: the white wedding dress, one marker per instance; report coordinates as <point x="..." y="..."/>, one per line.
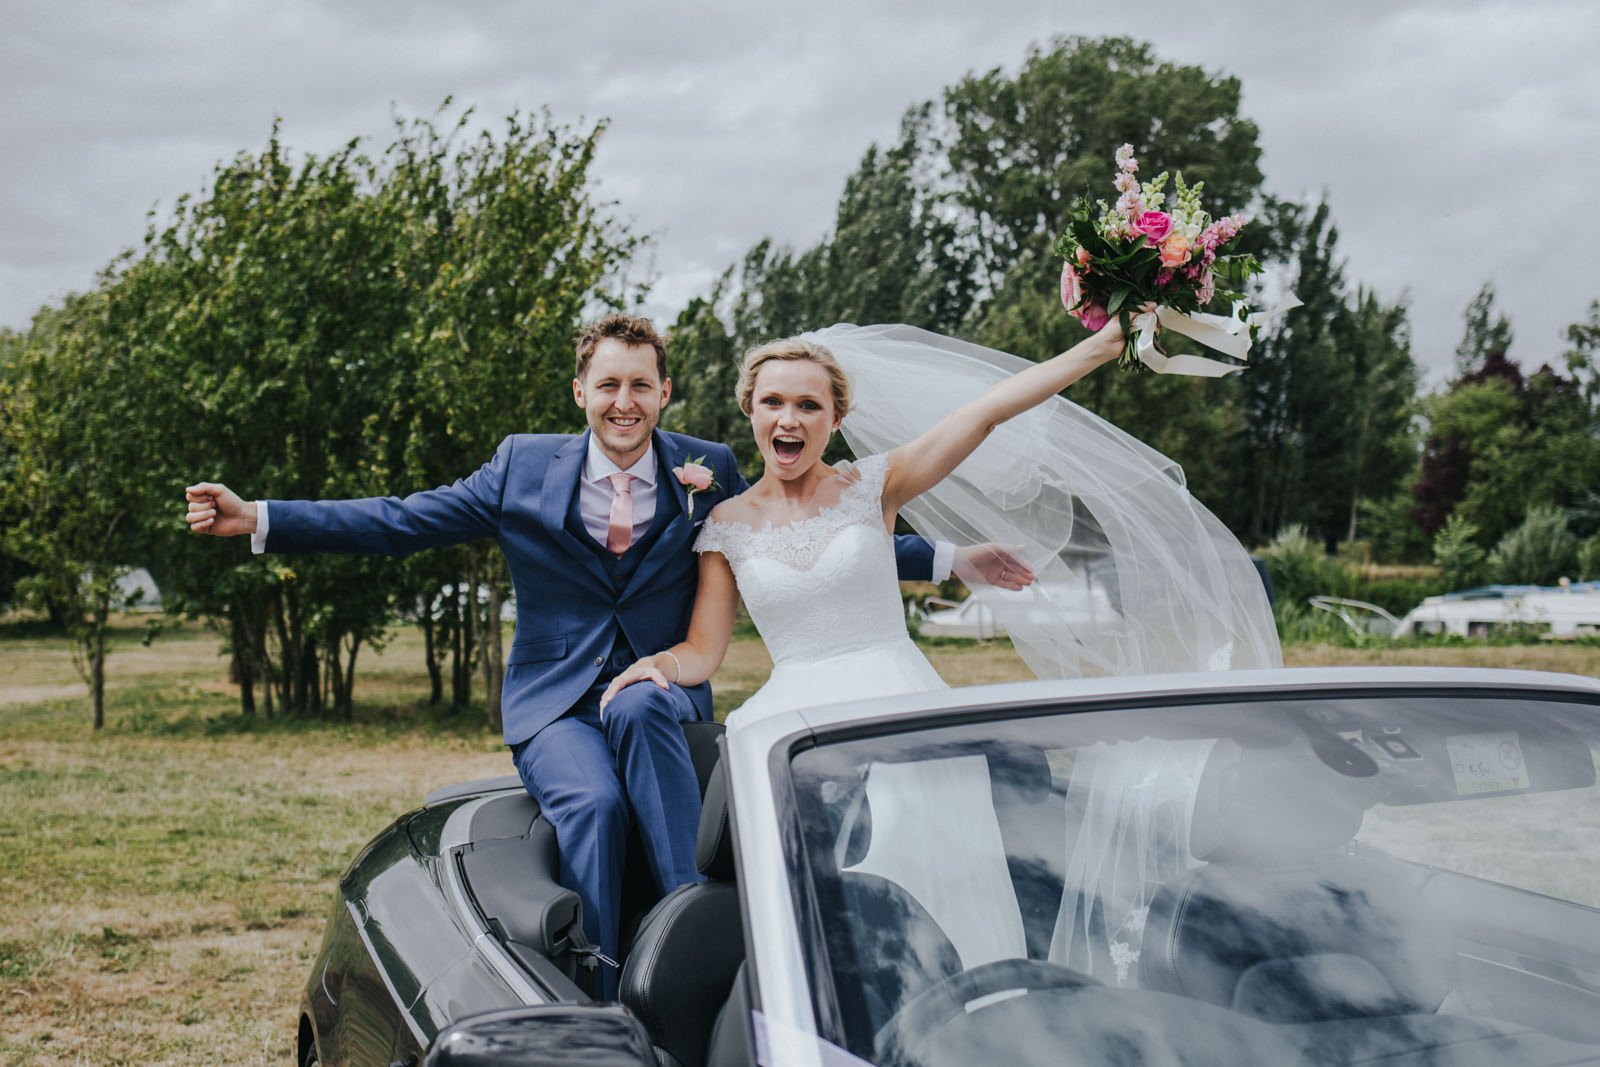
<point x="823" y="592"/>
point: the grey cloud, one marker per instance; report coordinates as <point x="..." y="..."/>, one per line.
<point x="1438" y="130"/>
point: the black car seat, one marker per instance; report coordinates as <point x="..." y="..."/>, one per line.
<point x="1286" y="920"/>
<point x="689" y="947"/>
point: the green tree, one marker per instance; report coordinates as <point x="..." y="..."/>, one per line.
<point x="71" y="495"/>
<point x="1589" y="559"/>
<point x="1487" y="334"/>
<point x="1582" y="357"/>
<point x="1458" y="555"/>
<point x="704" y="365"/>
<point x="1501" y="444"/>
<point x="268" y="307"/>
<point x="1379" y="440"/>
<point x="1021" y="147"/>
<point x="950" y="229"/>
<point x="510" y="249"/>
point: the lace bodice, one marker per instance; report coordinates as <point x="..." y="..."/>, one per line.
<point x="823" y="585"/>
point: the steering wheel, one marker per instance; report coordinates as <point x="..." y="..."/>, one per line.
<point x="937" y="1005"/>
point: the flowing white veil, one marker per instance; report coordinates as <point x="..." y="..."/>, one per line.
<point x="1135" y="576"/>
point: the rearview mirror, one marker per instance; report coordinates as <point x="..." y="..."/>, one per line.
<point x="555" y="1035"/>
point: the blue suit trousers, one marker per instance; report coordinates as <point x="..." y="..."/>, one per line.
<point x="595" y="777"/>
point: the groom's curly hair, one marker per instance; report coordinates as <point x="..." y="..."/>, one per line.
<point x="631" y="330"/>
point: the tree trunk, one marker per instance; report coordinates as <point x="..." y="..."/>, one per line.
<point x="258" y="652"/>
<point x="243" y="666"/>
<point x="430" y="650"/>
<point x="469" y="623"/>
<point x="493" y="657"/>
<point x="350" y="678"/>
<point x="460" y="681"/>
<point x="286" y="646"/>
<point x="97" y="668"/>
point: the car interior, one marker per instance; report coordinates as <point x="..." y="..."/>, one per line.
<point x="1277" y="915"/>
<point x="682" y="952"/>
<point x="1280" y="924"/>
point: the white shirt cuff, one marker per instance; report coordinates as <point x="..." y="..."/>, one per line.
<point x="258" y="540"/>
<point x="944" y="556"/>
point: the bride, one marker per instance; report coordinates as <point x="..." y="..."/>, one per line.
<point x="1134" y="575"/>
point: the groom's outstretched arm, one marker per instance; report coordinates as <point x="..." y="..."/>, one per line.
<point x="466" y="510"/>
<point x="914" y="559"/>
<point x="919" y="560"/>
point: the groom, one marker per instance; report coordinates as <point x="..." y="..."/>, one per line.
<point x="597" y="530"/>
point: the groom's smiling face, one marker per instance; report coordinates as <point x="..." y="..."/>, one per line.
<point x="622" y="394"/>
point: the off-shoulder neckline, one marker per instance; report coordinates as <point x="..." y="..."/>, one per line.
<point x="845" y="469"/>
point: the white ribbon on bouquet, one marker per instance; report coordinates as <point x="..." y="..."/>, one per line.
<point x="1227" y="334"/>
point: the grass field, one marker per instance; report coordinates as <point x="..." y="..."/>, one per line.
<point x="164" y="882"/>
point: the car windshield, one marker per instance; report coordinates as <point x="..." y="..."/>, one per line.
<point x="1382" y="876"/>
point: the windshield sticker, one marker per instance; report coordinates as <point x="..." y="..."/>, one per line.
<point x="1486" y="763"/>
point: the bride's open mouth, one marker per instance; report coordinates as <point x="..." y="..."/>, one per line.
<point x="787" y="449"/>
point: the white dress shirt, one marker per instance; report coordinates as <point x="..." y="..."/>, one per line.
<point x="595" y="491"/>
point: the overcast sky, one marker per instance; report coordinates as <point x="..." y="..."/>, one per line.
<point x="1457" y="142"/>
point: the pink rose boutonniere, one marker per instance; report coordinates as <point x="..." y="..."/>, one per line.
<point x="695" y="476"/>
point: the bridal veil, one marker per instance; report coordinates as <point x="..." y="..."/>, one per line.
<point x="1134" y="576"/>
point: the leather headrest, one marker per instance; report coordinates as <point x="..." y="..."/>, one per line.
<point x="1266" y="801"/>
<point x="713" y="844"/>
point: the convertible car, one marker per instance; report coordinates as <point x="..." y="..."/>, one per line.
<point x="1396" y="866"/>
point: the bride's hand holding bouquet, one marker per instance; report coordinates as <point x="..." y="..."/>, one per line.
<point x="1143" y="251"/>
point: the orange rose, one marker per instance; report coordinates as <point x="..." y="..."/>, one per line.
<point x="1174" y="250"/>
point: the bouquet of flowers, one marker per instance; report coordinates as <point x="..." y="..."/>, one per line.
<point x="1144" y="250"/>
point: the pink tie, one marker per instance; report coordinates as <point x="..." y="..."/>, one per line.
<point x="619" y="531"/>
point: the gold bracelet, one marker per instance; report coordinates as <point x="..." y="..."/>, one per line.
<point x="676" y="664"/>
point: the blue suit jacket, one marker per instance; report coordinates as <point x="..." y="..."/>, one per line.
<point x="568" y="610"/>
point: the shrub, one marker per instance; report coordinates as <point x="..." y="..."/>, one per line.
<point x="1458" y="554"/>
<point x="1589" y="560"/>
<point x="1399" y="595"/>
<point x="1539" y="551"/>
<point x="1300" y="569"/>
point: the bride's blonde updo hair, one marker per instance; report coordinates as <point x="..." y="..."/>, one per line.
<point x="792" y="348"/>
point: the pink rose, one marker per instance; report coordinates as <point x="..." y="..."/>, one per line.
<point x="1154" y="225"/>
<point x="694" y="475"/>
<point x="1071" y="287"/>
<point x="1093" y="317"/>
<point x="1174" y="250"/>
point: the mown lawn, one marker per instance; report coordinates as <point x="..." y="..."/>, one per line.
<point x="164" y="882"/>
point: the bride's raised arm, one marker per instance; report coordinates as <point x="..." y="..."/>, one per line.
<point x="916" y="467"/>
<point x="696" y="658"/>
